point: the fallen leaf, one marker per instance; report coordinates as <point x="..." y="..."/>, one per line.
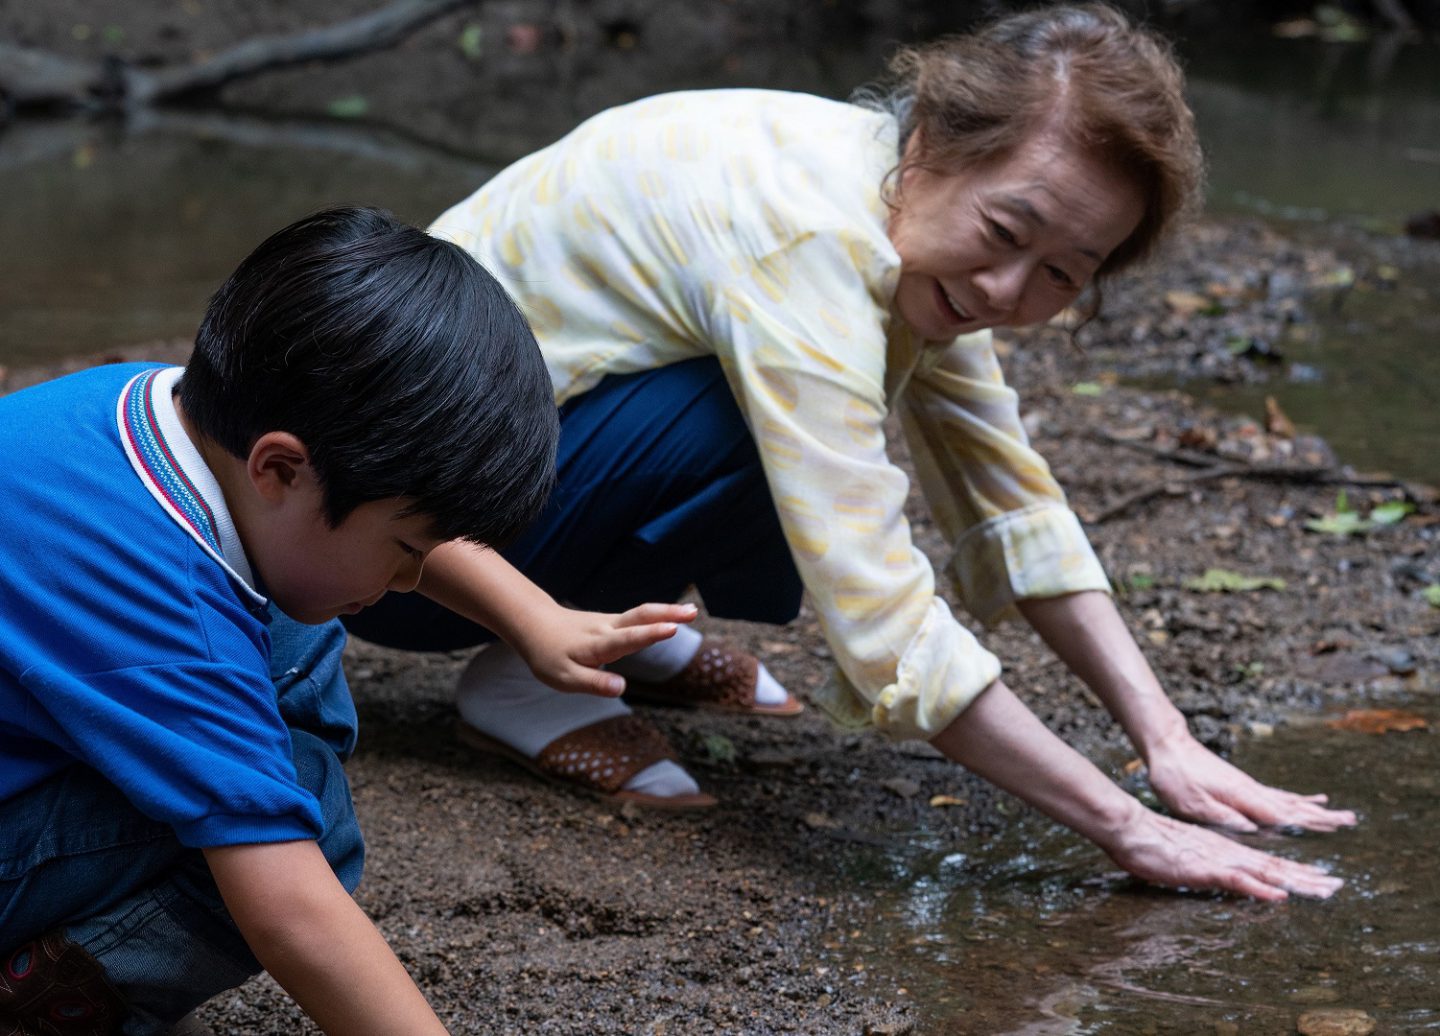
<point x="352" y="107"/>
<point x="1133" y="766"/>
<point x="1335" y="1021"/>
<point x="718" y="748"/>
<point x="1222" y="580"/>
<point x="1277" y="422"/>
<point x="471" y="41"/>
<point x="947" y="800"/>
<point x="1378" y="721"/>
<point x="1390" y="512"/>
<point x="1188" y="303"/>
<point x="1432" y="594"/>
<point x="1088" y="388"/>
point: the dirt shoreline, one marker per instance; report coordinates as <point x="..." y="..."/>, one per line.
<point x="521" y="908"/>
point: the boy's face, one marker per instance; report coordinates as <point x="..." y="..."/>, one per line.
<point x="316" y="573"/>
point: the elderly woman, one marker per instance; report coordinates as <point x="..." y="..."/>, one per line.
<point x="733" y="290"/>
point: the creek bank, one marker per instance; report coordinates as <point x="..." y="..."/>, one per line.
<point x="523" y="909"/>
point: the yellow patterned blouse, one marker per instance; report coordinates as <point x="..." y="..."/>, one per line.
<point x="749" y="225"/>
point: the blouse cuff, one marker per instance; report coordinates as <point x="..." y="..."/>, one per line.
<point x="942" y="671"/>
<point x="1038" y="551"/>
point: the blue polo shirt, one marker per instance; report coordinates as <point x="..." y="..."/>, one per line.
<point x="132" y="638"/>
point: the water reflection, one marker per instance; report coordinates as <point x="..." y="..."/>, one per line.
<point x="116" y="235"/>
<point x="1016" y="936"/>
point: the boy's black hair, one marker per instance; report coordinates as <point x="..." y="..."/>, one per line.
<point x="402" y="365"/>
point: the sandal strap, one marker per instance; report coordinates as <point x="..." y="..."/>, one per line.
<point x="53" y="986"/>
<point x="719" y="674"/>
<point x="606" y="754"/>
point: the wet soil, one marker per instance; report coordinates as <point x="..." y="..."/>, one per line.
<point x="521" y="908"/>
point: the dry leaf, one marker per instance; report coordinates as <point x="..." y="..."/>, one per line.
<point x="946" y="800"/>
<point x="1187" y="303"/>
<point x="1277" y="422"/>
<point x="1133" y="766"/>
<point x="1378" y="721"/>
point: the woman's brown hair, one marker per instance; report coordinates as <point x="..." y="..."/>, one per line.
<point x="1082" y="71"/>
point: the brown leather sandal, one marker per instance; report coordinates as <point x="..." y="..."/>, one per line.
<point x="52" y="987"/>
<point x="596" y="759"/>
<point x="720" y="678"/>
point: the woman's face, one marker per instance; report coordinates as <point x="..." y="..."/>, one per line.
<point x="1009" y="244"/>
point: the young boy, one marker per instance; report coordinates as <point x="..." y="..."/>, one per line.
<point x="173" y="812"/>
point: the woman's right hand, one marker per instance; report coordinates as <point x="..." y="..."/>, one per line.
<point x="1002" y="741"/>
<point x="1176" y="854"/>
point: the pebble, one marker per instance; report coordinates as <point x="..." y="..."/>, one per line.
<point x="901" y="786"/>
<point x="1335" y="1021"/>
<point x="1397" y="660"/>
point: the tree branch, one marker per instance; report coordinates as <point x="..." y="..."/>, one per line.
<point x="32" y="77"/>
<point x="368" y="32"/>
<point x="1306" y="475"/>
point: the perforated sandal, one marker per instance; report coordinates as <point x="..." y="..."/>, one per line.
<point x="597" y="760"/>
<point x="720" y="678"/>
<point x="52" y="987"/>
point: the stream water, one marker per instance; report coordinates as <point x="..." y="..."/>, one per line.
<point x="115" y="234"/>
<point x="1026" y="935"/>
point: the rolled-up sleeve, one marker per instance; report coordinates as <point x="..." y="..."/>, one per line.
<point x="801" y="339"/>
<point x="993" y="496"/>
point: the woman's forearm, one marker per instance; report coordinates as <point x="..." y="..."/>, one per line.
<point x="1087" y="633"/>
<point x="999" y="739"/>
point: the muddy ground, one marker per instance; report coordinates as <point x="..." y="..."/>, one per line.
<point x="521" y="908"/>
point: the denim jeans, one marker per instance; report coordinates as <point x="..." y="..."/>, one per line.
<point x="74" y="853"/>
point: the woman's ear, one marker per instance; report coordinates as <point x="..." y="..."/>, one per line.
<point x="278" y="464"/>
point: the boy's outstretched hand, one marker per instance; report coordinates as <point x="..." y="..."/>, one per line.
<point x="563" y="647"/>
<point x="567" y="651"/>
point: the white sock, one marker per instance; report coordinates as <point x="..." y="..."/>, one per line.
<point x="499" y="696"/>
<point x="665" y="658"/>
<point x="662" y="659"/>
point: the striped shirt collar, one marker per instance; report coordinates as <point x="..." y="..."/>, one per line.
<point x="176" y="475"/>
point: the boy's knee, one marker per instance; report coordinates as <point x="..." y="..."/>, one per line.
<point x="320" y="772"/>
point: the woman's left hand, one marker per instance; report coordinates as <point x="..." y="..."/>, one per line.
<point x="1197" y="784"/>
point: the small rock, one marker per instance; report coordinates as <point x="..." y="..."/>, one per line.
<point x="901" y="786"/>
<point x="1335" y="1021"/>
<point x="1397" y="660"/>
<point x="820" y="822"/>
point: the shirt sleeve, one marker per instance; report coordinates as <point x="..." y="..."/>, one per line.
<point x="993" y="496"/>
<point x="800" y="336"/>
<point x="196" y="745"/>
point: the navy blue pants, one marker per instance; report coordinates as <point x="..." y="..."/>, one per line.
<point x="660" y="488"/>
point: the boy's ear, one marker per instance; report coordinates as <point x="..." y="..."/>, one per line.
<point x="279" y="463"/>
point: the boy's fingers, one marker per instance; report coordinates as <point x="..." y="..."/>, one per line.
<point x="598" y="682"/>
<point x="644" y="614"/>
<point x="629" y="639"/>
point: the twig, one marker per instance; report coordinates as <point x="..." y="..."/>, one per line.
<point x="1190" y="458"/>
<point x="1308" y="475"/>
